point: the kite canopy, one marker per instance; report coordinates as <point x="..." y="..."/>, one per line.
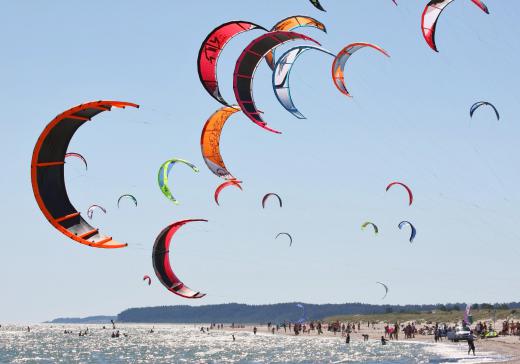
<point x="47" y="174"/>
<point x="147" y="278"/>
<point x="164" y="172"/>
<point x="161" y="261"/>
<point x="374" y="226"/>
<point x="317" y="5"/>
<point x="91" y="209"/>
<point x="282" y="73"/>
<point x="413" y="231"/>
<point x="431" y="14"/>
<point x="210" y="141"/>
<point x="127" y="196"/>
<point x="338" y="66"/>
<point x="286" y="234"/>
<point x="266" y="197"/>
<point x="476" y="105"/>
<point x="224" y="185"/>
<point x="386" y="289"/>
<point x="292" y="23"/>
<point x="79" y="156"/>
<point x="211" y="49"/>
<point x="410" y="195"/>
<point x="246" y="66"/>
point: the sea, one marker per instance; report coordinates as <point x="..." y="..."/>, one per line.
<point x="47" y="343"/>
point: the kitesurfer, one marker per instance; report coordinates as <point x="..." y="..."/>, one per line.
<point x="233" y="335"/>
<point x="255" y="330"/>
<point x="383" y="340"/>
<point x="347" y="340"/>
<point x="471" y="343"/>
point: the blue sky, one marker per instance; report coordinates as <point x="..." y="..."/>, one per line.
<point x="408" y="120"/>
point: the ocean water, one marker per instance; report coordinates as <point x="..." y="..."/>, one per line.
<point x="186" y="344"/>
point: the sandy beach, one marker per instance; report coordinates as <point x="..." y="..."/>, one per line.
<point x="507" y="346"/>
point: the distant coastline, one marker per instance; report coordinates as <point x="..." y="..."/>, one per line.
<point x="276" y="313"/>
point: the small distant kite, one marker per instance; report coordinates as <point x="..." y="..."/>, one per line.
<point x="386" y="289"/>
<point x="266" y="197"/>
<point x="365" y="224"/>
<point x="224" y="185"/>
<point x="79" y="156"/>
<point x="146" y="277"/>
<point x="476" y="105"/>
<point x="317" y="5"/>
<point x="413" y="231"/>
<point x="410" y="195"/>
<point x="164" y="172"/>
<point x="90" y="211"/>
<point x="286" y="234"/>
<point x="131" y="197"/>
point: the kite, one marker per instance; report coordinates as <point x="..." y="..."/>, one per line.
<point x="164" y="172"/>
<point x="476" y="105"/>
<point x="224" y="185"/>
<point x="410" y="195"/>
<point x="211" y="49"/>
<point x="413" y="232"/>
<point x="79" y="156"/>
<point x="365" y="224"/>
<point x="127" y="196"/>
<point x="161" y="261"/>
<point x="431" y="14"/>
<point x="292" y="23"/>
<point x="246" y="66"/>
<point x="90" y="211"/>
<point x="286" y="234"/>
<point x="386" y="289"/>
<point x="281" y="76"/>
<point x="264" y="199"/>
<point x="317" y="5"/>
<point x="210" y="141"/>
<point x="338" y="66"/>
<point x="47" y="174"/>
<point x="148" y="279"/>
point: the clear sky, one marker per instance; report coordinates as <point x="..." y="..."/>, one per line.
<point x="408" y="121"/>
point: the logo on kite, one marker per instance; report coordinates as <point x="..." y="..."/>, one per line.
<point x="147" y="278"/>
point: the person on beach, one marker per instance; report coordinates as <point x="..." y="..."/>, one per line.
<point x="471" y="343"/>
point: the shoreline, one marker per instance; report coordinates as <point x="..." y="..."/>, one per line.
<point x="505" y="346"/>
